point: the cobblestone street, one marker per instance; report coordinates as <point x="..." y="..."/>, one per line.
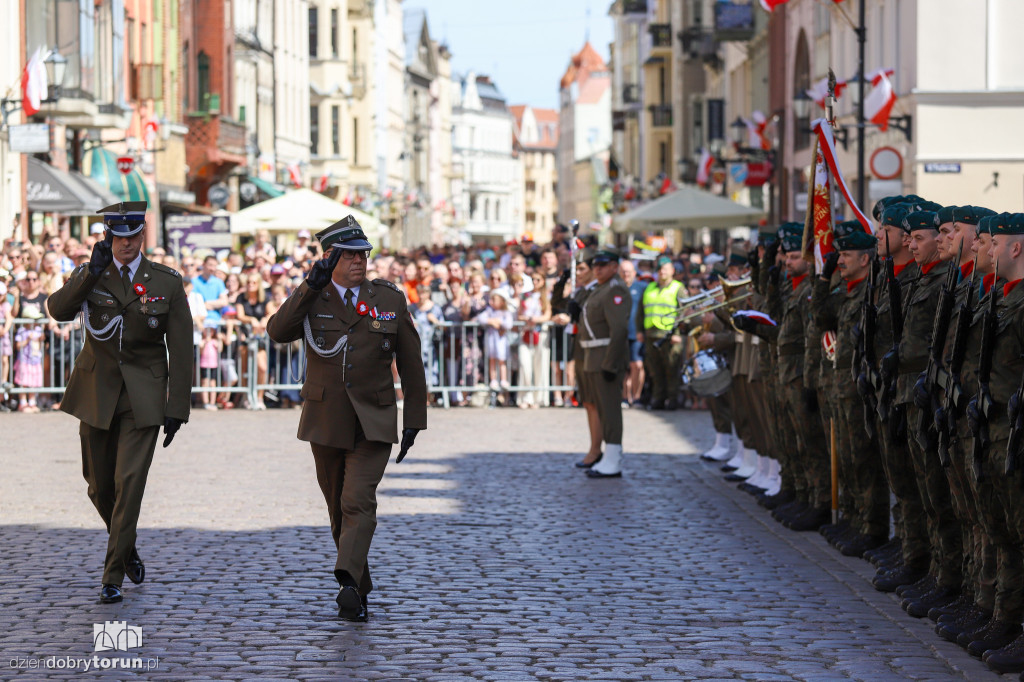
<point x="494" y="559"/>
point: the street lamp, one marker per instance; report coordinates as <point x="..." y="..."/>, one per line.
<point x="802" y="104"/>
<point x="739" y="130"/>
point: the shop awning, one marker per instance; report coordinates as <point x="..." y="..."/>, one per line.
<point x="51" y="190"/>
<point x="267" y="188"/>
<point x="101" y="165"/>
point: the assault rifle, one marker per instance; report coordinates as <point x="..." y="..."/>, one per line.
<point x="864" y="352"/>
<point x="952" y="395"/>
<point x="983" y="401"/>
<point x="889" y="364"/>
<point x="1016" y="415"/>
<point x="926" y="418"/>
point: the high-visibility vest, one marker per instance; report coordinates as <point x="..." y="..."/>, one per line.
<point x="660" y="305"/>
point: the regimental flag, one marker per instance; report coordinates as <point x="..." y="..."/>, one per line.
<point x="33" y="83"/>
<point x="818" y="223"/>
<point x="827" y="145"/>
<point x="704" y="167"/>
<point x="878" y="104"/>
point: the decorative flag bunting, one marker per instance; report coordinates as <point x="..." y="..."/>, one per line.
<point x="819" y="90"/>
<point x="878" y="104"/>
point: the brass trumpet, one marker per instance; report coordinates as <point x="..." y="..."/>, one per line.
<point x="728" y="288"/>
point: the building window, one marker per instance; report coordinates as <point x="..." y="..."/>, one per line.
<point x="663" y="157"/>
<point x="801" y="81"/>
<point x="497" y="210"/>
<point x="531" y="185"/>
<point x="313" y="33"/>
<point x="203" y="79"/>
<point x="336" y="130"/>
<point x="186" y="87"/>
<point x="314" y="129"/>
<point x="334" y="33"/>
<point x="531" y="220"/>
<point x="355" y="47"/>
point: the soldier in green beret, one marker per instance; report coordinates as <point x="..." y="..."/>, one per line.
<point x="353" y="329"/>
<point x="133" y="376"/>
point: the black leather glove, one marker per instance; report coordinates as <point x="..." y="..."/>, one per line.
<point x="171" y="426"/>
<point x="102" y="256"/>
<point x="744" y="323"/>
<point x="752" y="259"/>
<point x="831" y="263"/>
<point x="974" y="417"/>
<point x="922" y="397"/>
<point x="889" y="365"/>
<point x="320" y="274"/>
<point x="771" y="252"/>
<point x="608" y="375"/>
<point x="774" y="275"/>
<point x="574" y="309"/>
<point x="408" y="439"/>
<point x="810" y="399"/>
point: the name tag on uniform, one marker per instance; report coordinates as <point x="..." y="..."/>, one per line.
<point x="325" y="316"/>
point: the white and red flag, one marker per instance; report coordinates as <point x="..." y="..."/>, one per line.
<point x="704" y="167"/>
<point x="817" y="242"/>
<point x="323" y="182"/>
<point x="878" y="104"/>
<point x="758" y="316"/>
<point x="827" y="144"/>
<point x="33" y="83"/>
<point x="756" y="136"/>
<point x="294" y="174"/>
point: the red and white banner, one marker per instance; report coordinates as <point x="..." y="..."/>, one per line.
<point x="827" y="144"/>
<point x="756" y="137"/>
<point x="817" y="242"/>
<point x="323" y="182"/>
<point x="294" y="174"/>
<point x="819" y="90"/>
<point x="757" y="315"/>
<point x="704" y="167"/>
<point x="33" y="83"/>
<point x="878" y="104"/>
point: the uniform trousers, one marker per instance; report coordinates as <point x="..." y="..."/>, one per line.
<point x="863" y="479"/>
<point x="965" y="510"/>
<point x="742" y="413"/>
<point x="608" y="397"/>
<point x="721" y="412"/>
<point x="912" y="528"/>
<point x="809" y="458"/>
<point x="348" y="480"/>
<point x="1005" y="507"/>
<point x="984" y="545"/>
<point x="943" y="525"/>
<point x="662" y="366"/>
<point x="115" y="463"/>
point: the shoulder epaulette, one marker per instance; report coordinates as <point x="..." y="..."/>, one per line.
<point x="165" y="268"/>
<point x="392" y="285"/>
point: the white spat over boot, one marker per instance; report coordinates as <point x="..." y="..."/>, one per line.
<point x="610" y="465"/>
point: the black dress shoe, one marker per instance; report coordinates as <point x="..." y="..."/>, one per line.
<point x="1009" y="659"/>
<point x="780" y="498"/>
<point x="351" y="605"/>
<point x="890" y="581"/>
<point x="998" y="634"/>
<point x="586" y="465"/>
<point x="594" y="473"/>
<point x="134" y="568"/>
<point x="111" y="594"/>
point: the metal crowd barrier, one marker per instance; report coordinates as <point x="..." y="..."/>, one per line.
<point x="456" y="359"/>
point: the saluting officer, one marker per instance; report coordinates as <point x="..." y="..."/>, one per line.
<point x="133" y="375"/>
<point x="352" y="329"/>
<point x="604" y="332"/>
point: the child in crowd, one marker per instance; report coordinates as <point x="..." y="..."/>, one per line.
<point x="497" y="321"/>
<point x="209" y="360"/>
<point x="6" y="348"/>
<point x="28" y="366"/>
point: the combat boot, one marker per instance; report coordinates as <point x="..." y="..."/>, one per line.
<point x="812" y="519"/>
<point x="968" y="635"/>
<point x="968" y="620"/>
<point x="903" y="574"/>
<point x="1009" y="659"/>
<point x="998" y="634"/>
<point x="860" y="544"/>
<point x="879" y="554"/>
<point x="831" y="530"/>
<point x="940" y="596"/>
<point x="926" y="584"/>
<point x="942" y="614"/>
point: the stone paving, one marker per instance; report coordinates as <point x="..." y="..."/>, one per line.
<point x="494" y="559"/>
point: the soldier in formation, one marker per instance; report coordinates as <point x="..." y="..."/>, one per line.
<point x="908" y="348"/>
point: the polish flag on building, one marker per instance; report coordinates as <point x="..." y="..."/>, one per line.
<point x="33" y="83"/>
<point x="704" y="167"/>
<point x="819" y="91"/>
<point x="294" y="174"/>
<point x="667" y="185"/>
<point x="323" y="182"/>
<point x="878" y="104"/>
<point x="756" y="126"/>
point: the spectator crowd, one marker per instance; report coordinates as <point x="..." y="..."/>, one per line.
<point x="485" y="316"/>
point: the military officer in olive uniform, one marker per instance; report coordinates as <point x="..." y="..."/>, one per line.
<point x="604" y="331"/>
<point x="133" y="375"/>
<point x="352" y="329"/>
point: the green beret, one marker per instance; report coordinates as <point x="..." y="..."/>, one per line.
<point x="895" y="213"/>
<point x="737" y="259"/>
<point x="920" y="204"/>
<point x="1008" y="224"/>
<point x="664" y="260"/>
<point x="945" y="215"/>
<point x="791" y="235"/>
<point x="885" y="203"/>
<point x="971" y="215"/>
<point x="920" y="220"/>
<point x="846" y="227"/>
<point x="984" y="225"/>
<point x="856" y="240"/>
<point x="605" y="254"/>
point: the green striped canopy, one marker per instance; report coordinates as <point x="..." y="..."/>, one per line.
<point x="101" y="165"/>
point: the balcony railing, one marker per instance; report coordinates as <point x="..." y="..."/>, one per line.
<point x="699" y="43"/>
<point x="661" y="35"/>
<point x="631" y="93"/>
<point x="661" y="115"/>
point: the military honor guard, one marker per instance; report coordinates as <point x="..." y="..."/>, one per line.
<point x="604" y="332"/>
<point x="352" y="329"/>
<point x="133" y="375"/>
